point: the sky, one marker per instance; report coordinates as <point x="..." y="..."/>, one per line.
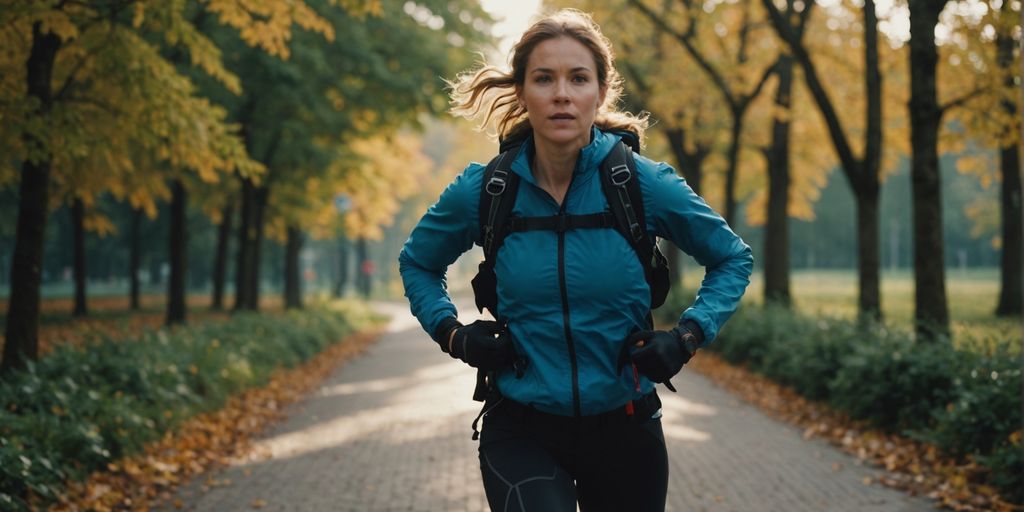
<point x="513" y="16"/>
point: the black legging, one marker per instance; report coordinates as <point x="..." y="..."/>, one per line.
<point x="533" y="461"/>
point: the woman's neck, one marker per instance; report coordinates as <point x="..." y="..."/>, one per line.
<point x="553" y="165"/>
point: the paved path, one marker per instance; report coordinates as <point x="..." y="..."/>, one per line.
<point x="391" y="432"/>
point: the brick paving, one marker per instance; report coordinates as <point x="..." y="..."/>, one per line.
<point x="390" y="431"/>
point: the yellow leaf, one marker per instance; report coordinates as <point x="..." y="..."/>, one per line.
<point x="58" y="23"/>
<point x="139" y="14"/>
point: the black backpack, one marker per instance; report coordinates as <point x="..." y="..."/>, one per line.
<point x="625" y="214"/>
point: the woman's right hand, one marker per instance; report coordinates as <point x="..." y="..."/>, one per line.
<point x="483" y="344"/>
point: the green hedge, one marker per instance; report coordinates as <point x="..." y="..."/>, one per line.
<point x="78" y="409"/>
<point x="964" y="399"/>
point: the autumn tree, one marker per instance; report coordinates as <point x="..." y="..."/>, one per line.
<point x="862" y="172"/>
<point x="980" y="72"/>
<point x="737" y="68"/>
<point x="776" y="257"/>
<point x="86" y="87"/>
<point x="296" y="114"/>
<point x="1008" y="58"/>
<point x="662" y="80"/>
<point x="931" y="313"/>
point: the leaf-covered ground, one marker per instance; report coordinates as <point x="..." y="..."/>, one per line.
<point x="205" y="442"/>
<point x="914" y="467"/>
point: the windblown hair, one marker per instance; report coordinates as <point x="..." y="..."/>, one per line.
<point x="490" y="93"/>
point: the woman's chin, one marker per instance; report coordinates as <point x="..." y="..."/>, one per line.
<point x="566" y="137"/>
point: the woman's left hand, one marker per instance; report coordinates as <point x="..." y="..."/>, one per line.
<point x="661" y="354"/>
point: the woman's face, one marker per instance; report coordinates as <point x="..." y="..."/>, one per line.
<point x="561" y="92"/>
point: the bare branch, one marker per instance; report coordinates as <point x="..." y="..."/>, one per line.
<point x="849" y="162"/>
<point x="961" y="100"/>
<point x="687" y="43"/>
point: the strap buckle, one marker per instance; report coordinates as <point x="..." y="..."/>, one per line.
<point x="496" y="185"/>
<point x="635" y="231"/>
<point x="562" y="224"/>
<point x="620" y="175"/>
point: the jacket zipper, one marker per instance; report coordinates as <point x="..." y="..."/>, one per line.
<point x="565" y="319"/>
<point x="565" y="299"/>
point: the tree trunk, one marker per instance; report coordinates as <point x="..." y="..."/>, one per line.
<point x="220" y="261"/>
<point x="868" y="258"/>
<point x="1011" y="277"/>
<point x="292" y="270"/>
<point x="776" y="240"/>
<point x="135" y="258"/>
<point x="869" y="187"/>
<point x="364" y="282"/>
<point x="22" y="329"/>
<point x="689" y="164"/>
<point x="931" y="315"/>
<point x="343" y="264"/>
<point x="1011" y="301"/>
<point x="245" y="247"/>
<point x="78" y="255"/>
<point x="177" y="251"/>
<point x="260" y="195"/>
<point x="731" y="171"/>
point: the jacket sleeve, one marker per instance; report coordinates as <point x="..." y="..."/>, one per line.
<point x="674" y="211"/>
<point x="447" y="230"/>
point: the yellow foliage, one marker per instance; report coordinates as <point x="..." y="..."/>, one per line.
<point x="969" y="69"/>
<point x="98" y="223"/>
<point x="389" y="170"/>
<point x="267" y="24"/>
<point x="123" y="116"/>
<point x="984" y="216"/>
<point x="58" y="23"/>
<point x="981" y="165"/>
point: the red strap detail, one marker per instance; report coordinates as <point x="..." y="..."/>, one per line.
<point x="629" y="408"/>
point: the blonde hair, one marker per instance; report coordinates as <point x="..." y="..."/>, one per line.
<point x="490" y="93"/>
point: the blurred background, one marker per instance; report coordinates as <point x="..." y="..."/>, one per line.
<point x="294" y="149"/>
<point x="175" y="160"/>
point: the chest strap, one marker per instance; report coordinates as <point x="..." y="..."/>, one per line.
<point x="562" y="222"/>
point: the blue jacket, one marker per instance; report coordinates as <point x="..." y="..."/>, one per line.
<point x="607" y="296"/>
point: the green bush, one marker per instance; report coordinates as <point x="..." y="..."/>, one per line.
<point x="1007" y="467"/>
<point x="986" y="407"/>
<point x="965" y="399"/>
<point x="80" y="408"/>
<point x="893" y="382"/>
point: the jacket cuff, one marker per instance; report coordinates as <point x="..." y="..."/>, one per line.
<point x="695" y="329"/>
<point x="443" y="330"/>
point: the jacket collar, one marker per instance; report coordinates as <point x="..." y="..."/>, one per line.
<point x="590" y="158"/>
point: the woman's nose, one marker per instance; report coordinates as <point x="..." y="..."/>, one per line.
<point x="562" y="91"/>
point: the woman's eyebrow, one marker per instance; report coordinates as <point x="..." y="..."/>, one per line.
<point x="549" y="70"/>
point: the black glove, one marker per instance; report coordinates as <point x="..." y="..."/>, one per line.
<point x="483" y="344"/>
<point x="663" y="353"/>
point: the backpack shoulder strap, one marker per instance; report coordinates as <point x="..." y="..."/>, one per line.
<point x="497" y="197"/>
<point x="621" y="187"/>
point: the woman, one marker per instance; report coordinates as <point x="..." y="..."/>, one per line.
<point x="571" y="425"/>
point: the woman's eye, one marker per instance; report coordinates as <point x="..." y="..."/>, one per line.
<point x="543" y="79"/>
<point x="579" y="79"/>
